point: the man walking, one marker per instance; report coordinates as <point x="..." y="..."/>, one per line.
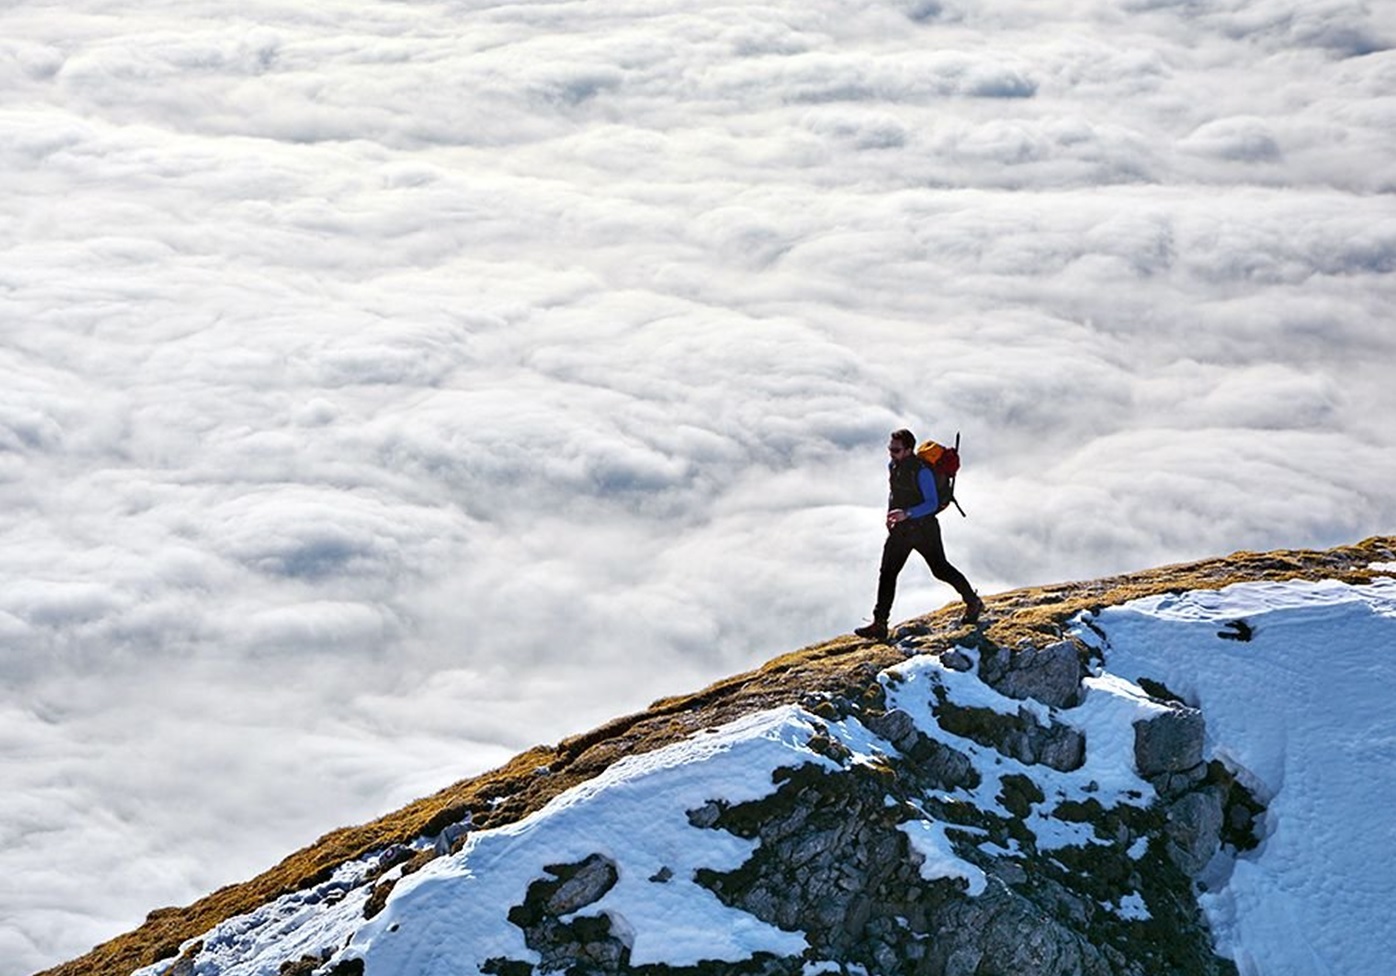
<point x="912" y="526"/>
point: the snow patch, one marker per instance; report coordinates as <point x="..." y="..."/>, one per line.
<point x="938" y="857"/>
<point x="1132" y="908"/>
<point x="635" y="813"/>
<point x="1302" y="710"/>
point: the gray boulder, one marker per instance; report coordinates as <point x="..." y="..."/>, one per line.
<point x="1194" y="829"/>
<point x="937" y="765"/>
<point x="588" y="941"/>
<point x="592" y="878"/>
<point x="1169" y="743"/>
<point x="1168" y="752"/>
<point x="1051" y="674"/>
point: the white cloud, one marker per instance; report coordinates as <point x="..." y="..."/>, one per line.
<point x="410" y="384"/>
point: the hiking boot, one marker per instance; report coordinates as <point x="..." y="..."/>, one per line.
<point x="877" y="631"/>
<point x="973" y="608"/>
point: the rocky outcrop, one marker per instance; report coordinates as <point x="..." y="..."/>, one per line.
<point x="918" y="822"/>
<point x="936" y="765"/>
<point x="1050" y="674"/>
<point x="1197" y="797"/>
<point x="1168" y="748"/>
<point x="1021" y="736"/>
<point x="834" y="856"/>
<point x="834" y="863"/>
<point x="589" y="943"/>
<point x="1193" y="829"/>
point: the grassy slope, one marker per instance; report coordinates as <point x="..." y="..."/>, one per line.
<point x="843" y="666"/>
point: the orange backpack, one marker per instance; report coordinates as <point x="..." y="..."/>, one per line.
<point x="944" y="463"/>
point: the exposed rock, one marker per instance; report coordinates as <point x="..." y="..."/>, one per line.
<point x="896" y="726"/>
<point x="1169" y="744"/>
<point x="939" y="766"/>
<point x="411" y="862"/>
<point x="1015" y="936"/>
<point x="303" y="966"/>
<point x="1051" y="674"/>
<point x="1194" y="829"/>
<point x="185" y="964"/>
<point x="591" y="944"/>
<point x="451" y="838"/>
<point x="1243" y="812"/>
<point x="935" y="764"/>
<point x="1176" y="784"/>
<point x="581" y="887"/>
<point x="1203" y="805"/>
<point x="707" y="815"/>
<point x="1022" y="736"/>
<point x="833" y="862"/>
<point x="956" y="660"/>
<point x="1018" y="794"/>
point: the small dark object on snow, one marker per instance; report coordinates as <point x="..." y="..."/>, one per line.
<point x="1240" y="631"/>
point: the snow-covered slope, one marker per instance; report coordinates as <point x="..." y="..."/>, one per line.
<point x="1302" y="710"/>
<point x="931" y="799"/>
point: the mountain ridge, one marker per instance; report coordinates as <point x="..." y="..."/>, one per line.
<point x="1028" y="617"/>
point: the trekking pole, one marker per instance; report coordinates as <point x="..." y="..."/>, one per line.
<point x="953" y="500"/>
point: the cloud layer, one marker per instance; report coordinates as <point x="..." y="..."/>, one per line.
<point x="387" y="388"/>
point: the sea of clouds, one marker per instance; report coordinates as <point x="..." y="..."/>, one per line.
<point x="387" y="387"/>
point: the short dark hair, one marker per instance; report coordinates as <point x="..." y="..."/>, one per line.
<point x="905" y="438"/>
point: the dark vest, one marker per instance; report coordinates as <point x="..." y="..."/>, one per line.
<point x="903" y="490"/>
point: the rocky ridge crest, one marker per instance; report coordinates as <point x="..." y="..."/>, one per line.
<point x="833" y="860"/>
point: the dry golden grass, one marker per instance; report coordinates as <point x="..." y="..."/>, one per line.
<point x="843" y="666"/>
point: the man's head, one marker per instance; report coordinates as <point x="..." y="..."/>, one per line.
<point x="901" y="443"/>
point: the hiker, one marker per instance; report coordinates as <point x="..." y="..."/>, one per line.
<point x="912" y="503"/>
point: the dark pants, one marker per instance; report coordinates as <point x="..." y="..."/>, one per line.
<point x="916" y="535"/>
